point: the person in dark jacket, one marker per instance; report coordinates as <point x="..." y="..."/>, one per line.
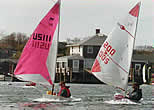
<point x="64" y="90"/>
<point x="136" y="94"/>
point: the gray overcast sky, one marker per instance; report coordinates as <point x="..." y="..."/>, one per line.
<point x="79" y="18"/>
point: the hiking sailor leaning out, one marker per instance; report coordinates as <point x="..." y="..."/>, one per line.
<point x="136" y="94"/>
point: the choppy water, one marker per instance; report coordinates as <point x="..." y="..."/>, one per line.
<point x="15" y="97"/>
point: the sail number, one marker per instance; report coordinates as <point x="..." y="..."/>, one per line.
<point x="104" y="55"/>
<point x="41" y="41"/>
<point x="41" y="45"/>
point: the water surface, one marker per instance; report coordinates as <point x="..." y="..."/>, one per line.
<point x="14" y="96"/>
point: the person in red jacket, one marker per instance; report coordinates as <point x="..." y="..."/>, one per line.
<point x="64" y="90"/>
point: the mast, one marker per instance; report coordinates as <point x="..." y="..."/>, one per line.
<point x="136" y="27"/>
<point x="135" y="36"/>
<point x="57" y="45"/>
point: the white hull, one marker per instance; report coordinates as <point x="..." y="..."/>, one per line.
<point x="56" y="99"/>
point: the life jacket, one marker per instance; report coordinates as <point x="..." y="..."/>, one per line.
<point x="139" y="94"/>
<point x="66" y="88"/>
<point x="136" y="95"/>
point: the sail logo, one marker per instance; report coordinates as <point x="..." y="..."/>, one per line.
<point x="41" y="41"/>
<point x="123" y="28"/>
<point x="51" y="19"/>
<point x="108" y="50"/>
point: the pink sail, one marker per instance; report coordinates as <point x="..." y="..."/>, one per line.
<point x="34" y="56"/>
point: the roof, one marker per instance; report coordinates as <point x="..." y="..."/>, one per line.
<point x="78" y="57"/>
<point x="9" y="60"/>
<point x="144" y="57"/>
<point x="96" y="40"/>
<point x="139" y="60"/>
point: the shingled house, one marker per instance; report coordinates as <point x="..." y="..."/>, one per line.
<point x="143" y="56"/>
<point x="82" y="56"/>
<point x="75" y="67"/>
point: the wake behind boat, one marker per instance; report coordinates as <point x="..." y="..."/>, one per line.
<point x="55" y="99"/>
<point x="122" y="101"/>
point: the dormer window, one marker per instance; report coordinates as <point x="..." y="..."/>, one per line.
<point x="90" y="49"/>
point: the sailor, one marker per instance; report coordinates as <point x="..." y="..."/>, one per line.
<point x="64" y="90"/>
<point x="136" y="94"/>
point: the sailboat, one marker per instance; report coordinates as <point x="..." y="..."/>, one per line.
<point x="38" y="59"/>
<point x="113" y="61"/>
<point x="37" y="63"/>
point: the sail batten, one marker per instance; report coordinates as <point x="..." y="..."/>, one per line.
<point x="34" y="64"/>
<point x="114" y="56"/>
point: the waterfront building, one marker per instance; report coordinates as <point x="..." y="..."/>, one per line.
<point x="76" y="67"/>
<point x="80" y="60"/>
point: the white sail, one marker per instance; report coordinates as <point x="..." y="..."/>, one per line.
<point x="51" y="60"/>
<point x="113" y="60"/>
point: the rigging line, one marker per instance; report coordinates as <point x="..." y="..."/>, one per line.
<point x="130" y="34"/>
<point x="57" y="43"/>
<point x="135" y="34"/>
<point x="118" y="64"/>
<point x="121" y="88"/>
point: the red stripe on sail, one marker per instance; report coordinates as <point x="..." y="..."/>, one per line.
<point x="96" y="67"/>
<point x="135" y="11"/>
<point x="117" y="64"/>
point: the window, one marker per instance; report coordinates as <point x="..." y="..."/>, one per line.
<point x="88" y="63"/>
<point x="137" y="69"/>
<point x="75" y="65"/>
<point x="137" y="66"/>
<point x="138" y="75"/>
<point x="90" y="49"/>
<point x="64" y="65"/>
<point x="72" y="49"/>
<point x="57" y="64"/>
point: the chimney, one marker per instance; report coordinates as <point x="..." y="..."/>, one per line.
<point x="97" y="31"/>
